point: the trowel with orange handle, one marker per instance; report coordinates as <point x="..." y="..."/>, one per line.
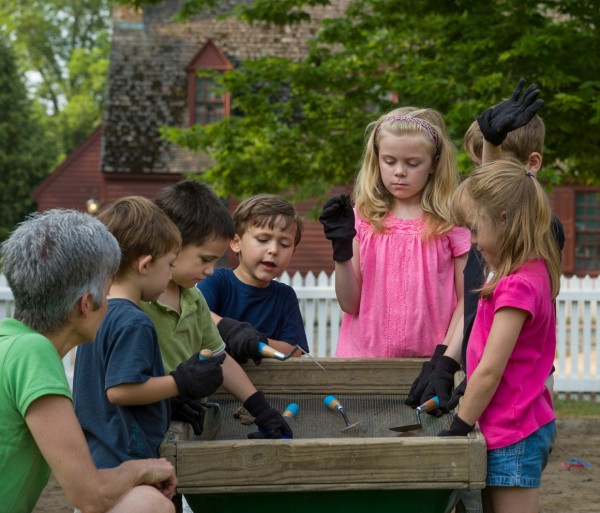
<point x="290" y="412"/>
<point x="270" y="352"/>
<point x="429" y="405"/>
<point x="333" y="404"/>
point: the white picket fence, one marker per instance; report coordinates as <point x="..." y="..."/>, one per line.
<point x="577" y="326"/>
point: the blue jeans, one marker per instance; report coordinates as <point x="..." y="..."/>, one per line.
<point x="521" y="464"/>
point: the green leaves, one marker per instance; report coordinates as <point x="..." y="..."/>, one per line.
<point x="299" y="126"/>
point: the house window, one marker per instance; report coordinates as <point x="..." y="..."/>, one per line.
<point x="206" y="102"/>
<point x="587" y="231"/>
<point x="210" y="104"/>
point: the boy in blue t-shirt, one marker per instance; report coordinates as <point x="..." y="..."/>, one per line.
<point x="247" y="303"/>
<point x="120" y="388"/>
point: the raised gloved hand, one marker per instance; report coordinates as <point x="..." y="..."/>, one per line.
<point x="497" y="121"/>
<point x="269" y="420"/>
<point x="199" y="378"/>
<point x="420" y="384"/>
<point x="458" y="392"/>
<point x="458" y="428"/>
<point x="241" y="340"/>
<point x="441" y="382"/>
<point x="337" y="218"/>
<point x="190" y="411"/>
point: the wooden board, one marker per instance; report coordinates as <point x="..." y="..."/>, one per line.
<point x="327" y="464"/>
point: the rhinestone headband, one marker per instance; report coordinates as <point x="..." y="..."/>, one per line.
<point x="418" y="121"/>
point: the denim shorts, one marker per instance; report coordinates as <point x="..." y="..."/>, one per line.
<point x="522" y="463"/>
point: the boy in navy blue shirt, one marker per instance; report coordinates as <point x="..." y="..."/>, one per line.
<point x="247" y="303"/>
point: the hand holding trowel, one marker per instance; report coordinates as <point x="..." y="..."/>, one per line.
<point x="429" y="405"/>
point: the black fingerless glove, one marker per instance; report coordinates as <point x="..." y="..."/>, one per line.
<point x="241" y="340"/>
<point x="458" y="428"/>
<point x="441" y="383"/>
<point x="199" y="378"/>
<point x="420" y="384"/>
<point x="270" y="421"/>
<point x="496" y="122"/>
<point x="190" y="411"/>
<point x="337" y="218"/>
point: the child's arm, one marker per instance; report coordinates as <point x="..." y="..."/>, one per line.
<point x="54" y="426"/>
<point x="337" y="218"/>
<point x="348" y="282"/>
<point x="195" y="378"/>
<point x="268" y="419"/>
<point x="440" y="381"/>
<point x="484" y="381"/>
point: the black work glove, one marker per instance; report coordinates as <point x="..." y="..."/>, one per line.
<point x="441" y="382"/>
<point x="269" y="420"/>
<point x="420" y="384"/>
<point x="459" y="391"/>
<point x="458" y="428"/>
<point x="241" y="340"/>
<point x="199" y="378"/>
<point x="337" y="218"/>
<point x="190" y="411"/>
<point x="497" y="121"/>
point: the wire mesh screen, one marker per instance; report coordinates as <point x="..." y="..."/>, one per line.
<point x="373" y="415"/>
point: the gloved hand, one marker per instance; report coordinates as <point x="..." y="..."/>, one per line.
<point x="241" y="340"/>
<point x="199" y="378"/>
<point x="190" y="411"/>
<point x="337" y="218"/>
<point x="268" y="419"/>
<point x="441" y="382"/>
<point x="459" y="391"/>
<point x="420" y="384"/>
<point x="458" y="428"/>
<point x="497" y="121"/>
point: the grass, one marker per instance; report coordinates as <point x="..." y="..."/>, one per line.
<point x="576" y="408"/>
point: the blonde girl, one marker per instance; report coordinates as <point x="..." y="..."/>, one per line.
<point x="399" y="260"/>
<point x="513" y="341"/>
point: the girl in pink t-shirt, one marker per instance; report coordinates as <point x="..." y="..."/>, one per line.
<point x="399" y="261"/>
<point x="513" y="340"/>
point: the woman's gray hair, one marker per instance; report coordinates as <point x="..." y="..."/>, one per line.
<point x="51" y="260"/>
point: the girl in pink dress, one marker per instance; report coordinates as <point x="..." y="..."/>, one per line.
<point x="513" y="341"/>
<point x="398" y="259"/>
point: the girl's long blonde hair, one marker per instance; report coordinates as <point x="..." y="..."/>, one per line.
<point x="507" y="195"/>
<point x="373" y="201"/>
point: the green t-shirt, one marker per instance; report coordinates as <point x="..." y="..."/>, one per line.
<point x="180" y="336"/>
<point x="30" y="368"/>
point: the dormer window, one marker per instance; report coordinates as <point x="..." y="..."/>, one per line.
<point x="206" y="102"/>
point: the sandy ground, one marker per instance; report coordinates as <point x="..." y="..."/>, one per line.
<point x="576" y="490"/>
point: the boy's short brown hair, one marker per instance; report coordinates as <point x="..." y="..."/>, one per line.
<point x="264" y="210"/>
<point x="519" y="143"/>
<point x="141" y="228"/>
<point x="197" y="211"/>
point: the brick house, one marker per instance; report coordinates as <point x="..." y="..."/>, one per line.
<point x="153" y="82"/>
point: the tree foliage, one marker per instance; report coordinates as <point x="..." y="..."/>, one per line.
<point x="300" y="125"/>
<point x="62" y="47"/>
<point x="24" y="158"/>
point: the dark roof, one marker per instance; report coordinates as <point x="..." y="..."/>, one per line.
<point x="147" y="84"/>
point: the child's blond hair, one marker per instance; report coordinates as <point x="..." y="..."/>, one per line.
<point x="141" y="228"/>
<point x="519" y="143"/>
<point x="373" y="201"/>
<point x="507" y="195"/>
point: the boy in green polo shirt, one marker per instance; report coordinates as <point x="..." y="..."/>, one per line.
<point x="182" y="317"/>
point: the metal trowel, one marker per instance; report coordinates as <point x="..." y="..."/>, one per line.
<point x="333" y="404"/>
<point x="429" y="405"/>
<point x="269" y="352"/>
